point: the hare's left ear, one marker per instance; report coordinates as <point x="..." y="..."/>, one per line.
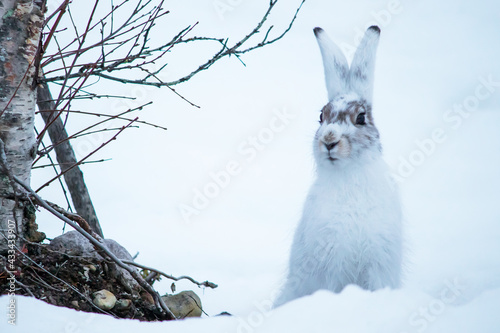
<point x="362" y="68"/>
<point x="335" y="65"/>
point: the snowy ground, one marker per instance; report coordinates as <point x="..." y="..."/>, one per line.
<point x="435" y="60"/>
<point x="354" y="310"/>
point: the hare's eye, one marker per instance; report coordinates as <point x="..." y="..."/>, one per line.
<point x="360" y="120"/>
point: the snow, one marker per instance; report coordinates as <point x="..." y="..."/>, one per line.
<point x="432" y="58"/>
<point x="354" y="310"/>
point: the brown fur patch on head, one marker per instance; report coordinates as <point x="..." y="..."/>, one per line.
<point x="368" y="134"/>
<point x="355" y="108"/>
<point x="353" y="139"/>
<point x="327" y="113"/>
<point x="350" y="112"/>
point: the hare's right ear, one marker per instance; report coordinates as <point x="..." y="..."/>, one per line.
<point x="363" y="64"/>
<point x="335" y="65"/>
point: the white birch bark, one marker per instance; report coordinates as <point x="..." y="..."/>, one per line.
<point x="20" y="27"/>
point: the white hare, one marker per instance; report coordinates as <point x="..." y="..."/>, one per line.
<point x="351" y="227"/>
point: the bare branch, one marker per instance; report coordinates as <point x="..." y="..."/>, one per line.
<point x="61" y="10"/>
<point x="149" y="56"/>
<point x="83" y="159"/>
<point x="73" y="217"/>
<point x="205" y="283"/>
<point x="52" y="164"/>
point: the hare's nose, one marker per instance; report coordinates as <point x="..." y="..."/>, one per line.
<point x="330" y="146"/>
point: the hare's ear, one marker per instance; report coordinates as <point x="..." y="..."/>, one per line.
<point x="363" y="64"/>
<point x="334" y="63"/>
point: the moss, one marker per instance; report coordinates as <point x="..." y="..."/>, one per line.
<point x="5" y="185"/>
<point x="31" y="227"/>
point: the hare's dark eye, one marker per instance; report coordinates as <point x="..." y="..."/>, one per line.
<point x="360" y="120"/>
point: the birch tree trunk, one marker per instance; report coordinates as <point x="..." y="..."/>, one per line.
<point x="20" y="28"/>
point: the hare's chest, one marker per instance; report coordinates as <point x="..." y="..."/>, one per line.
<point x="360" y="213"/>
<point x="345" y="236"/>
<point x="355" y="204"/>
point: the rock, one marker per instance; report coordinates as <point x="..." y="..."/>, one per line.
<point x="119" y="251"/>
<point x="184" y="304"/>
<point x="123" y="304"/>
<point x="104" y="299"/>
<point x="75" y="304"/>
<point x="74" y="243"/>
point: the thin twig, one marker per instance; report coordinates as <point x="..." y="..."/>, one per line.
<point x="52" y="164"/>
<point x="72" y="216"/>
<point x="88" y="155"/>
<point x="205" y="284"/>
<point x="61" y="10"/>
<point x="40" y="280"/>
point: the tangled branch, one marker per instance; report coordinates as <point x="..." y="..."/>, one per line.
<point x="140" y="55"/>
<point x="168" y="276"/>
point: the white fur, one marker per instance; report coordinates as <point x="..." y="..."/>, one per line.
<point x="351" y="229"/>
<point x="335" y="65"/>
<point x="340" y="79"/>
<point x="364" y="62"/>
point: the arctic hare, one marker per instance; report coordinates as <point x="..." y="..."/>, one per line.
<point x="351" y="229"/>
